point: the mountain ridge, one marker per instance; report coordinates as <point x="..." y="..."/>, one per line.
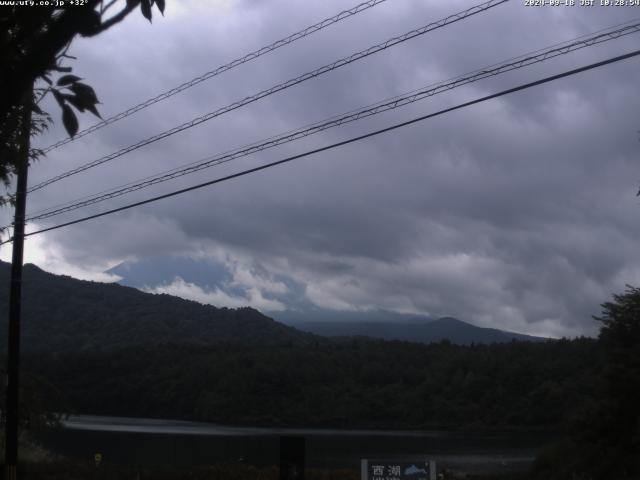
<point x="63" y="314"/>
<point x="444" y="328"/>
<point x="212" y="275"/>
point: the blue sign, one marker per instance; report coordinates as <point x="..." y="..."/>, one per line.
<point x="372" y="469"/>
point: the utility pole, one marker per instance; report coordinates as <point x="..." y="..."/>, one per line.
<point x="15" y="295"/>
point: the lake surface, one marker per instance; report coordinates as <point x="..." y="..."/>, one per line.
<point x="137" y="441"/>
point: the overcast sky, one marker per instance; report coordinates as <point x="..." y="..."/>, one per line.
<point x="519" y="213"/>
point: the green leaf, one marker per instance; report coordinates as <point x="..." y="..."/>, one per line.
<point x="82" y="103"/>
<point x="85" y="93"/>
<point x="58" y="96"/>
<point x="75" y="101"/>
<point x="94" y="110"/>
<point x="69" y="120"/>
<point x="145" y="7"/>
<point x="160" y="4"/>
<point x="89" y="22"/>
<point x="67" y="79"/>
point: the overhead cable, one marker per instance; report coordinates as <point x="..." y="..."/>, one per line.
<point x="386" y="105"/>
<point x="221" y="69"/>
<point x="277" y="88"/>
<point x="339" y="144"/>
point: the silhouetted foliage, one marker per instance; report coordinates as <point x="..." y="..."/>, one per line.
<point x="34" y="41"/>
<point x="604" y="436"/>
<point x="41" y="402"/>
<point x="361" y="384"/>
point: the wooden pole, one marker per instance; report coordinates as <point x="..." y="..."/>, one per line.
<point x="15" y="295"/>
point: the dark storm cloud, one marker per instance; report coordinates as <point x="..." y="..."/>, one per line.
<point x="519" y="213"/>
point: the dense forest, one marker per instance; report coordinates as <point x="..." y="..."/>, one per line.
<point x="357" y="384"/>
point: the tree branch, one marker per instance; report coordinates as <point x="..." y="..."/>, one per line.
<point x="104" y="8"/>
<point x="117" y="18"/>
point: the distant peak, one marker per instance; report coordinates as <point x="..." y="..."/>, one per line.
<point x="29" y="266"/>
<point x="451" y="320"/>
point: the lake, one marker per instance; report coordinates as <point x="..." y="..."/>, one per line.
<point x="150" y="442"/>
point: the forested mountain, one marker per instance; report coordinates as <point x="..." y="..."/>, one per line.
<point x="300" y="313"/>
<point x="62" y="314"/>
<point x="361" y="383"/>
<point x="452" y="329"/>
<point x="107" y="349"/>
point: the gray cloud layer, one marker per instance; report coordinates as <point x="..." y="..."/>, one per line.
<point x="519" y="213"/>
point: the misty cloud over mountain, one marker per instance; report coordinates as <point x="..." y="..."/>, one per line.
<point x="518" y="214"/>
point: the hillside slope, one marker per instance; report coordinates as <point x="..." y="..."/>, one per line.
<point x="61" y="314"/>
<point x="447" y="328"/>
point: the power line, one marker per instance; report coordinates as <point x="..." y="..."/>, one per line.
<point x="386" y="105"/>
<point x="344" y="142"/>
<point x="592" y="38"/>
<point x="221" y="69"/>
<point x="282" y="86"/>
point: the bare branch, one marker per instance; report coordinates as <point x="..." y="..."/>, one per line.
<point x="104" y="8"/>
<point x="44" y="93"/>
<point x="117" y="18"/>
<point x="63" y="53"/>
